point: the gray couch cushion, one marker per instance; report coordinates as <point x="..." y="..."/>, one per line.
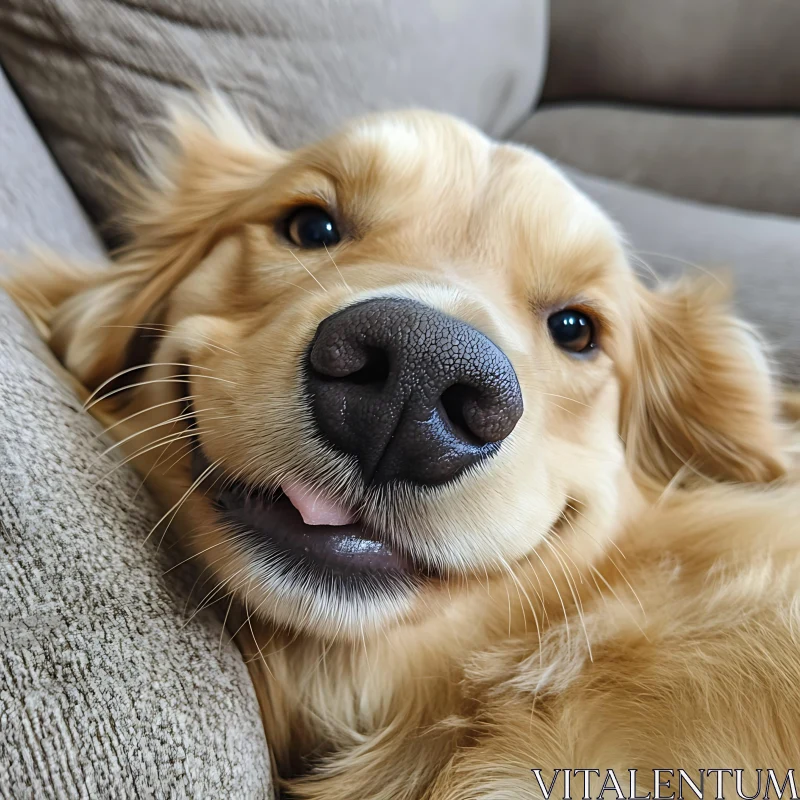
<point x="747" y="161"/>
<point x="36" y="204"/>
<point x="93" y="71"/>
<point x="104" y="691"/>
<point x="725" y="54"/>
<point x="760" y="251"/>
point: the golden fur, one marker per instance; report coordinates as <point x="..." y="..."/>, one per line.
<point x="619" y="585"/>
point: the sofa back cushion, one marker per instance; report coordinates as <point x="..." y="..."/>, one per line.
<point x="723" y="54"/>
<point x="93" y="72"/>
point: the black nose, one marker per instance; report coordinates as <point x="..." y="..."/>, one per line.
<point x="413" y="394"/>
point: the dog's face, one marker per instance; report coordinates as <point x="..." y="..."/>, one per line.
<point x="404" y="359"/>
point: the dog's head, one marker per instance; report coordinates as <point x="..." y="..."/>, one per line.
<point x="397" y="360"/>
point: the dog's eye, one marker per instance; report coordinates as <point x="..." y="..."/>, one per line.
<point x="572" y="330"/>
<point x="311" y="227"/>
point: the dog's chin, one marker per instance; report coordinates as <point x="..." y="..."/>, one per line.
<point x="330" y="580"/>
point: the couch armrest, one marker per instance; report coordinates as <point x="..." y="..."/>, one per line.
<point x="36" y="203"/>
<point x="107" y="689"/>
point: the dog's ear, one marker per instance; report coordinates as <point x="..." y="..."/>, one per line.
<point x="699" y="399"/>
<point x="194" y="185"/>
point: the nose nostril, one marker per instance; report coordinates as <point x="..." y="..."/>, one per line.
<point x="375" y="371"/>
<point x="374" y="368"/>
<point x="452" y="404"/>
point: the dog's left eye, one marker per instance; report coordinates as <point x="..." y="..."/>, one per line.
<point x="311" y="227"/>
<point x="572" y="330"/>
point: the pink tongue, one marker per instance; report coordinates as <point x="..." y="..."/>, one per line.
<point x="316" y="507"/>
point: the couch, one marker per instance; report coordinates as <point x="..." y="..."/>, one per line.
<point x="117" y="679"/>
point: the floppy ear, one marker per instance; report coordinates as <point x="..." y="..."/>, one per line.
<point x="194" y="185"/>
<point x="700" y="396"/>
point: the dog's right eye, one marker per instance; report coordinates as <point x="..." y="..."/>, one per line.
<point x="572" y="330"/>
<point x="311" y="227"/>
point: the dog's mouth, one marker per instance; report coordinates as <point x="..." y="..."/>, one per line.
<point x="296" y="524"/>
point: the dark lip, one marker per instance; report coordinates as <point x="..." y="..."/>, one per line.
<point x="264" y="519"/>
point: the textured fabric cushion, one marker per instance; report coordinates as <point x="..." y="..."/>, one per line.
<point x="36" y="205"/>
<point x="725" y="54"/>
<point x="761" y="252"/>
<point x="105" y="690"/>
<point x="747" y="161"/>
<point x="93" y="71"/>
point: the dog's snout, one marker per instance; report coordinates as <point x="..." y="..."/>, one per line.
<point x="414" y="394"/>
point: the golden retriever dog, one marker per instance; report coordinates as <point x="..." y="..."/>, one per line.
<point x="492" y="514"/>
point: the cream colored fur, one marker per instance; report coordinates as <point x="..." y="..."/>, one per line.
<point x="618" y="587"/>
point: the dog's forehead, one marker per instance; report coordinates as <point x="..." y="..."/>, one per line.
<point x="398" y="136"/>
<point x="445" y="153"/>
<point x="449" y="151"/>
<point x="454" y="184"/>
<point x="419" y="153"/>
<point x="417" y="135"/>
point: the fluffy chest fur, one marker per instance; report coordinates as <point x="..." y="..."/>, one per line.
<point x="651" y="658"/>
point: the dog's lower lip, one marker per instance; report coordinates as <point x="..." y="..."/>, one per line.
<point x="271" y="517"/>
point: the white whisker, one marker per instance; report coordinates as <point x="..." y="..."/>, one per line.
<point x="337" y="268"/>
<point x="143" y="411"/>
<point x="176" y="507"/>
<point x="88" y="403"/>
<point x="573" y="588"/>
<point x="313" y="276"/>
<point x="153" y="381"/>
<point x="162" y="329"/>
<point x="171" y="420"/>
